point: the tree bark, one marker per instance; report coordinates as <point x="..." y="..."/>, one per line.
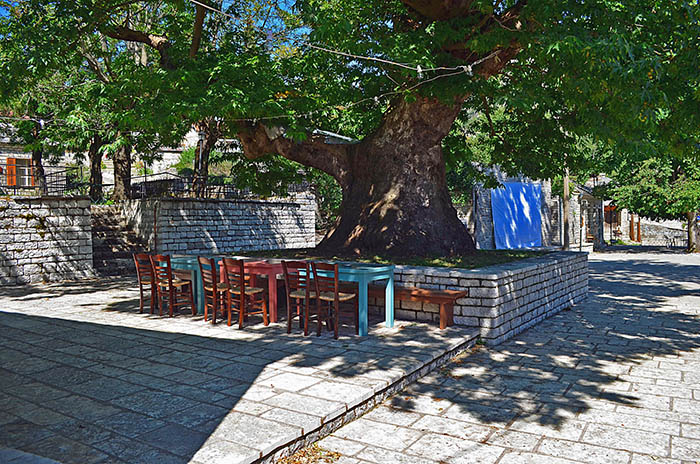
<point x="122" y="173"/>
<point x="39" y="175"/>
<point x="395" y="197"/>
<point x="395" y="200"/>
<point x="565" y="212"/>
<point x="692" y="232"/>
<point x="201" y="164"/>
<point x="95" y="159"/>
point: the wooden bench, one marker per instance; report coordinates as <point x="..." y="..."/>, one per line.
<point x="445" y="298"/>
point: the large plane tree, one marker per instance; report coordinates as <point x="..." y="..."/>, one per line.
<point x="395" y="76"/>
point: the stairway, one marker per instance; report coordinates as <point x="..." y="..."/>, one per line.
<point x="113" y="242"/>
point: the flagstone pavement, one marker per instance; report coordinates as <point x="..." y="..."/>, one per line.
<point x="615" y="380"/>
<point x="85" y="378"/>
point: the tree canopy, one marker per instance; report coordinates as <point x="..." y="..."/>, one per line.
<point x="403" y="78"/>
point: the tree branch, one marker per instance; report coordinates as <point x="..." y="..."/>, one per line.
<point x="158" y="42"/>
<point x="440" y="10"/>
<point x="258" y="140"/>
<point x="197" y="30"/>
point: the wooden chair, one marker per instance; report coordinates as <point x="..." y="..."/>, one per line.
<point x="327" y="291"/>
<point x="144" y="272"/>
<point x="214" y="291"/>
<point x="171" y="290"/>
<point x="241" y="296"/>
<point x="299" y="287"/>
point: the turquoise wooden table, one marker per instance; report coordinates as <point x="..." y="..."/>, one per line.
<point x="190" y="263"/>
<point x="363" y="274"/>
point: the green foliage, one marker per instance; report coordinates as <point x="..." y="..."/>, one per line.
<point x="185" y="163"/>
<point x="657" y="188"/>
<point x="593" y="81"/>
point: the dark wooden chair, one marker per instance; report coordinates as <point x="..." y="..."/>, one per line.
<point x="327" y="290"/>
<point x="241" y="296"/>
<point x="214" y="291"/>
<point x="144" y="272"/>
<point x="171" y="290"/>
<point x="299" y="288"/>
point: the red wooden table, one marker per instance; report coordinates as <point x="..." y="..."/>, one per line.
<point x="271" y="270"/>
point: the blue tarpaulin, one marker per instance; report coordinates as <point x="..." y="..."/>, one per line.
<point x="517" y="222"/>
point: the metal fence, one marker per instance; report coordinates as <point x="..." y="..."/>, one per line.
<point x="21" y="179"/>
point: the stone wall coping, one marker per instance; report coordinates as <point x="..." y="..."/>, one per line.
<point x="211" y="200"/>
<point x="23" y="198"/>
<point x="496" y="271"/>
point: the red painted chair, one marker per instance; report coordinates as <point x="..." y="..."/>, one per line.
<point x="144" y="272"/>
<point x="215" y="292"/>
<point x="299" y="288"/>
<point x="327" y="291"/>
<point x="241" y="297"/>
<point x="171" y="291"/>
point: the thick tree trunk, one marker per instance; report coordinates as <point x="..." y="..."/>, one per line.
<point x="95" y="159"/>
<point x="201" y="164"/>
<point x="122" y="173"/>
<point x="693" y="233"/>
<point x="39" y="175"/>
<point x="565" y="212"/>
<point x="395" y="198"/>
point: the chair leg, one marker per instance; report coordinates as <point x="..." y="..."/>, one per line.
<point x="357" y="316"/>
<point x="266" y="321"/>
<point x="171" y="302"/>
<point x="141" y="298"/>
<point x="336" y="320"/>
<point x="241" y="311"/>
<point x="318" y="318"/>
<point x="154" y="298"/>
<point x="307" y="305"/>
<point x="289" y="315"/>
<point x="190" y="294"/>
<point x="230" y="308"/>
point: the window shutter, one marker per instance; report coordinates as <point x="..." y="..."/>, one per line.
<point x="11" y="172"/>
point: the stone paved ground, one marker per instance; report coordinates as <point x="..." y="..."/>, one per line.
<point x="86" y="379"/>
<point x="616" y="380"/>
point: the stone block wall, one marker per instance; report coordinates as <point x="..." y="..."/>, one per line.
<point x="661" y="235"/>
<point x="502" y="300"/>
<point x="44" y="239"/>
<point x="221" y="226"/>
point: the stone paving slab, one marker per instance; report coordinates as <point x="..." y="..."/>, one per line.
<point x="85" y="378"/>
<point x="615" y="380"/>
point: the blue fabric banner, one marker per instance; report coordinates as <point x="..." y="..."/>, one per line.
<point x="517" y="221"/>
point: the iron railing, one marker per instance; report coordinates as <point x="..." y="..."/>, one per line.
<point x="22" y="179"/>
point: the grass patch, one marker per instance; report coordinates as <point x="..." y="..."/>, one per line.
<point x="481" y="258"/>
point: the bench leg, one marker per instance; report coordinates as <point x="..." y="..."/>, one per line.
<point x="446" y="316"/>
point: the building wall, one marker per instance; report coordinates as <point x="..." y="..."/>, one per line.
<point x="219" y="226"/>
<point x="502" y="300"/>
<point x="44" y="239"/>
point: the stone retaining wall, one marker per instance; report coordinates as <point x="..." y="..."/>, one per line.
<point x="221" y="226"/>
<point x="44" y="239"/>
<point x="503" y="300"/>
<point x="660" y="235"/>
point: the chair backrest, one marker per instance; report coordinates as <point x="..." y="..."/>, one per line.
<point x="207" y="266"/>
<point x="234" y="273"/>
<point x="162" y="271"/>
<point x="144" y="268"/>
<point x="325" y="281"/>
<point x="296" y="275"/>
